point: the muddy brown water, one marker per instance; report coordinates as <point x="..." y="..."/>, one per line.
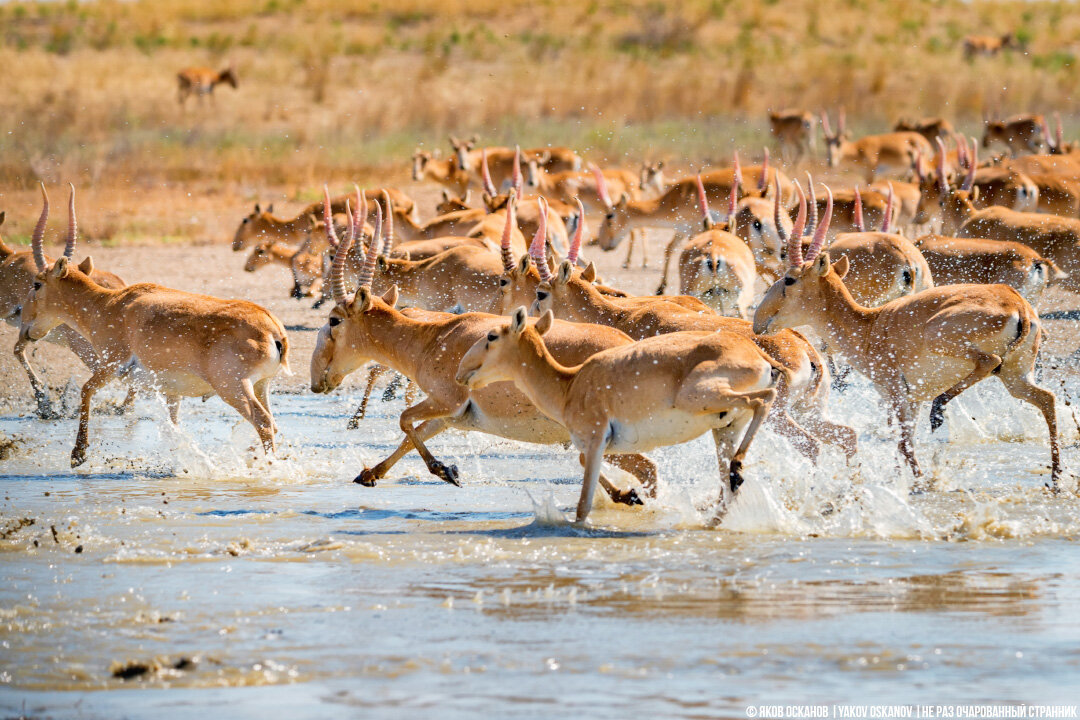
<point x="283" y="588"/>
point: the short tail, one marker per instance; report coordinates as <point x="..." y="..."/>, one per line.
<point x="281" y="342"/>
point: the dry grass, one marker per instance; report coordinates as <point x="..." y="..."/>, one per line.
<point x="331" y="90"/>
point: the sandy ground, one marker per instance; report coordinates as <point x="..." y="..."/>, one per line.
<point x="216" y="270"/>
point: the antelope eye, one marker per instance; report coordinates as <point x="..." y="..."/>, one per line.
<point x="37" y="285"/>
<point x="244" y="221"/>
<point x="492" y="337"/>
<point x="757" y="225"/>
<point x="503" y="282"/>
<point x="542" y="295"/>
<point x="789" y="281"/>
<point x="334" y="321"/>
<point x="610" y="216"/>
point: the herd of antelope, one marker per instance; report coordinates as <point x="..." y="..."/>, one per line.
<point x="924" y="278"/>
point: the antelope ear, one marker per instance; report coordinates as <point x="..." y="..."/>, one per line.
<point x="445" y="196"/>
<point x="3" y="214"/>
<point x="841" y="266"/>
<point x="975" y="194"/>
<point x="390" y="297"/>
<point x="270" y="208"/>
<point x="565" y="270"/>
<point x="87" y="265"/>
<point x="522" y="265"/>
<point x="381" y="263"/>
<point x="517" y="320"/>
<point x="589" y="273"/>
<point x="257" y="210"/>
<point x="60" y="268"/>
<point x="361" y="302"/>
<point x="822" y="264"/>
<point x="623" y="200"/>
<point x="660" y="165"/>
<point x="465" y="200"/>
<point x="545" y="322"/>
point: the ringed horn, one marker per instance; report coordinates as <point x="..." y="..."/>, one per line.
<point x="39" y="232"/>
<point x="508" y="230"/>
<point x="538" y="248"/>
<point x="579" y="234"/>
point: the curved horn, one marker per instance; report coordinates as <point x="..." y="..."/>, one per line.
<point x="388" y="231"/>
<point x="1045" y="128"/>
<point x="859" y="224"/>
<point x="508" y="229"/>
<point x="776" y="215"/>
<point x="795" y="255"/>
<point x="961" y="150"/>
<point x="819" y="236"/>
<point x="73" y="228"/>
<point x="579" y="234"/>
<point x="812" y="224"/>
<point x="485" y="174"/>
<point x="969" y="178"/>
<point x="703" y="201"/>
<point x="825" y="124"/>
<point x="538" y="248"/>
<point x="367" y="272"/>
<point x="328" y="219"/>
<point x="337" y="270"/>
<point x="886" y="222"/>
<point x="763" y="183"/>
<point x="39" y="231"/>
<point x="939" y="161"/>
<point x="601" y="187"/>
<point x="516" y="177"/>
<point x="736" y="170"/>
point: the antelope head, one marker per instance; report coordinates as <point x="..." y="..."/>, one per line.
<point x="957" y="203"/>
<point x="461" y="150"/>
<point x="798" y="296"/>
<point x="420" y="158"/>
<point x="344" y="343"/>
<point x="488" y="360"/>
<point x="261" y="256"/>
<point x="615" y="224"/>
<point x="651" y="177"/>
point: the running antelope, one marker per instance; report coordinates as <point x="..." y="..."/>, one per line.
<point x="932" y="345"/>
<point x="962" y="261"/>
<point x="17" y="271"/>
<point x="423" y="345"/>
<point x="179" y="343"/>
<point x="989" y="45"/>
<point x="572" y="186"/>
<point x="1021" y="134"/>
<point x="550" y="159"/>
<point x="716" y="265"/>
<point x="801" y="391"/>
<point x="886" y="154"/>
<point x="201" y="81"/>
<point x="688" y="383"/>
<point x="794" y="133"/>
<point x="306" y="268"/>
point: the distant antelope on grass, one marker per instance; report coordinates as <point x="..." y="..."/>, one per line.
<point x="794" y="133"/>
<point x="989" y="45"/>
<point x="200" y="81"/>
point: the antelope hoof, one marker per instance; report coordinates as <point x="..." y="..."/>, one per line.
<point x="937" y="413"/>
<point x="78" y="457"/>
<point x="447" y="473"/>
<point x="354" y="422"/>
<point x="44" y="409"/>
<point x="297" y="292"/>
<point x="735" y="477"/>
<point x="366" y="478"/>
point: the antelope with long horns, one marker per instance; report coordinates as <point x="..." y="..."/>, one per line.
<point x="179" y="343"/>
<point x="426" y="346"/>
<point x="684" y="384"/>
<point x="17" y="271"/>
<point x="932" y="345"/>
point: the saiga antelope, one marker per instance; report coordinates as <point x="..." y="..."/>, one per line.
<point x="685" y="384"/>
<point x="929" y="127"/>
<point x="426" y="347"/>
<point x="932" y="345"/>
<point x="794" y="133"/>
<point x="17" y="271"/>
<point x="885" y="154"/>
<point x="201" y="81"/>
<point x="989" y="45"/>
<point x="651" y="178"/>
<point x="305" y="267"/>
<point x="445" y="171"/>
<point x="180" y="343"/>
<point x="1021" y="134"/>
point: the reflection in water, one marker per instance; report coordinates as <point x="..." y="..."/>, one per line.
<point x="179" y="559"/>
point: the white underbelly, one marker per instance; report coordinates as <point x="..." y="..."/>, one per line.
<point x="527" y="426"/>
<point x="169" y="382"/>
<point x="670" y="427"/>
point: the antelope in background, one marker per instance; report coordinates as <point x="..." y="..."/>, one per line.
<point x="873" y="155"/>
<point x="989" y="45"/>
<point x="794" y="134"/>
<point x="932" y="345"/>
<point x="179" y="343"/>
<point x="651" y="178"/>
<point x="201" y="82"/>
<point x="17" y="271"/>
<point x="444" y="171"/>
<point x="1021" y="134"/>
<point x="929" y="127"/>
<point x="690" y="383"/>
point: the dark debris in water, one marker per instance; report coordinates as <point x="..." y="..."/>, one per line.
<point x="15" y="526"/>
<point x="8" y="447"/>
<point x="143" y="669"/>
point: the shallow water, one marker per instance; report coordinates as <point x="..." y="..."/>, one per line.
<point x="179" y="559"/>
